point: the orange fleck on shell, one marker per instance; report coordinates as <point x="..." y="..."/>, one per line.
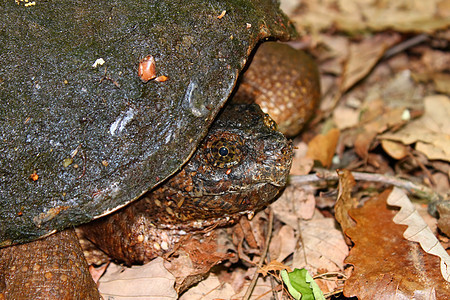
<point x="228" y="172"/>
<point x="222" y="14"/>
<point x="161" y="78"/>
<point x="34" y="176"/>
<point x="147" y="68"/>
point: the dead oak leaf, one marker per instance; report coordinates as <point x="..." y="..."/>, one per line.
<point x="387" y="265"/>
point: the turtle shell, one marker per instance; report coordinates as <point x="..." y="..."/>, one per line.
<point x="81" y="134"/>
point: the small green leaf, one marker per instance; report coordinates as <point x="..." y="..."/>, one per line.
<point x="301" y="285"/>
<point x="317" y="292"/>
<point x="294" y="293"/>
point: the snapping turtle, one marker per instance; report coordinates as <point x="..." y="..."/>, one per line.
<point x="82" y="138"/>
<point x="239" y="167"/>
<point x="82" y="134"/>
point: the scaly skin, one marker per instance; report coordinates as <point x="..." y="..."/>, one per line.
<point x="51" y="268"/>
<point x="285" y="83"/>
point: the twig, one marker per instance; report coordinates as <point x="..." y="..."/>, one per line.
<point x="335" y="292"/>
<point x="272" y="281"/>
<point x="252" y="285"/>
<point x="414" y="41"/>
<point x="417" y="190"/>
<point x="422" y="167"/>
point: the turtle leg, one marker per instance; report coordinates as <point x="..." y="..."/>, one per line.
<point x="50" y="268"/>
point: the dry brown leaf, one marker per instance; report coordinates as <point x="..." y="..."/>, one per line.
<point x="345" y="201"/>
<point x="442" y="181"/>
<point x="97" y="272"/>
<point x="431" y="132"/>
<point x="275" y="266"/>
<point x="262" y="291"/>
<point x="444" y="217"/>
<point x="345" y="117"/>
<point x="334" y="58"/>
<point x="435" y="61"/>
<point x="151" y="281"/>
<point x="442" y="82"/>
<point x="418" y="231"/>
<point x="301" y="165"/>
<point x="295" y="203"/>
<point x="363" y="142"/>
<point x="389" y="117"/>
<point x="209" y="289"/>
<point x="323" y="147"/>
<point x="195" y="257"/>
<point x="384" y="119"/>
<point x="386" y="266"/>
<point x="323" y="246"/>
<point x="394" y="149"/>
<point x="363" y="57"/>
<point x="283" y="243"/>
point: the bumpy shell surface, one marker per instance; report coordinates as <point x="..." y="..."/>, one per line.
<point x="81" y="133"/>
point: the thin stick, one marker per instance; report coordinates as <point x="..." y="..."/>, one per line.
<point x="406" y="45"/>
<point x="418" y="190"/>
<point x="252" y="285"/>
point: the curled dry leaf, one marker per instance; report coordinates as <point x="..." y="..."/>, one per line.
<point x="442" y="82"/>
<point x="363" y="57"/>
<point x="431" y="132"/>
<point x="345" y="201"/>
<point x="418" y="231"/>
<point x="34" y="176"/>
<point x="195" y="257"/>
<point x="161" y="78"/>
<point x="321" y="249"/>
<point x="222" y="14"/>
<point x="345" y="117"/>
<point x="323" y="146"/>
<point x="395" y="149"/>
<point x="378" y="118"/>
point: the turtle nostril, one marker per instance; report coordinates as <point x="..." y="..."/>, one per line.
<point x="276" y="147"/>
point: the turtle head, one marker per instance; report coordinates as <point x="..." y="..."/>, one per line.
<point x="241" y="166"/>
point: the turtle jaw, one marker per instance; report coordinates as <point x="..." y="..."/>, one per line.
<point x="277" y="163"/>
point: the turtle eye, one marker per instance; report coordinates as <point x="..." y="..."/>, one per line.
<point x="223" y="152"/>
